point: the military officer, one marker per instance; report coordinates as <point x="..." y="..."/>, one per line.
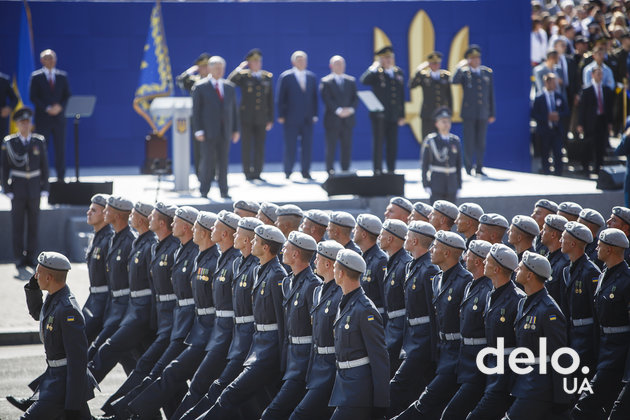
<point x="65" y="387"/>
<point x="620" y="219"/>
<point x="542" y="208"/>
<point x="267" y="213"/>
<point x="467" y="221"/>
<point x="340" y="229"/>
<point x="24" y="180"/>
<point x="421" y="212"/>
<point x="443" y="215"/>
<point x="387" y="82"/>
<point x="492" y="227"/>
<point x="594" y="221"/>
<point x="436" y="89"/>
<point x="550" y="236"/>
<point x="612" y="299"/>
<point x="365" y="236"/>
<point x="361" y="388"/>
<point x="398" y="208"/>
<point x="521" y="234"/>
<point x="478" y="107"/>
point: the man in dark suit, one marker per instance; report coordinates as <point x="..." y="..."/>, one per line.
<point x="297" y="110"/>
<point x="387" y="82"/>
<point x="49" y="92"/>
<point x="595" y="119"/>
<point x="215" y="122"/>
<point x="548" y="110"/>
<point x="8" y="101"/>
<point x="339" y="93"/>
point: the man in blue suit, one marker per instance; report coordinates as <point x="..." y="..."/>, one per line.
<point x="297" y="110"/>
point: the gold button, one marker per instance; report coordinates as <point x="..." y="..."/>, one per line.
<point x="257" y="101"/>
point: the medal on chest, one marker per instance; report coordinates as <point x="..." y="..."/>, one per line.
<point x="347" y="326"/>
<point x="163" y="260"/>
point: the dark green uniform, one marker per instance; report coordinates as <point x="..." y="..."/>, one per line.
<point x="436" y="93"/>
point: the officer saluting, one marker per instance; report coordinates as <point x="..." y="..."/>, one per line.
<point x="24" y="179"/>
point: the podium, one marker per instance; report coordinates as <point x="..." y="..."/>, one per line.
<point x="180" y="109"/>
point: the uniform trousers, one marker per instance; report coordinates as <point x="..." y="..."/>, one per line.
<point x="463" y="402"/>
<point x="253" y="148"/>
<point x="386" y="132"/>
<point x="285" y="401"/>
<point x="352" y="413"/>
<point x="25" y="210"/>
<point x="314" y="405"/>
<point x="213" y="159"/>
<point x="474" y="131"/>
<point x="413" y="375"/>
<point x="596" y="142"/>
<point x="291" y="134"/>
<point x="433" y="400"/>
<point x="428" y="127"/>
<point x="342" y="134"/>
<point x="606" y="385"/>
<point x="394" y="331"/>
<point x="94" y="311"/>
<point x="44" y="410"/>
<point x="551" y="142"/>
<point x="492" y="406"/>
<point x="621" y="407"/>
<point x="526" y="409"/>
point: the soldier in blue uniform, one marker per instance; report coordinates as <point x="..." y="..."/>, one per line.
<point x="24" y="180"/>
<point x="340" y="229"/>
<point x="542" y="208"/>
<point x="361" y="388"/>
<point x="521" y="234"/>
<point x="550" y="236"/>
<point x="391" y="240"/>
<point x="320" y="376"/>
<point x="442" y="160"/>
<point x="244" y="208"/>
<point x="467" y="221"/>
<point x="448" y="292"/>
<point x="267" y="213"/>
<point x="315" y="224"/>
<point x="8" y="101"/>
<point x="289" y="219"/>
<point x="421" y="212"/>
<point x="612" y="300"/>
<point x="594" y="221"/>
<point x="478" y="107"/>
<point x="443" y="215"/>
<point x="492" y="227"/>
<point x="398" y="208"/>
<point x="620" y="219"/>
<point x="65" y="387"/>
<point x="418" y="348"/>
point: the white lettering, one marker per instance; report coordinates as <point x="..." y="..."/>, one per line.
<point x="491" y="351"/>
<point x="575" y="361"/>
<point x="513" y="360"/>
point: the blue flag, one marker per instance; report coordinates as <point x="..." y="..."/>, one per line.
<point x="156" y="78"/>
<point x="25" y="62"/>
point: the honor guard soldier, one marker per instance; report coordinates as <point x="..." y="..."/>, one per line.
<point x="244" y="208"/>
<point x="419" y="342"/>
<point x="24" y="180"/>
<point x="467" y="221"/>
<point x="436" y="89"/>
<point x="478" y="107"/>
<point x="365" y="236"/>
<point x="340" y="229"/>
<point x="492" y="227"/>
<point x="620" y="219"/>
<point x="521" y="234"/>
<point x="569" y="210"/>
<point x="542" y="208"/>
<point x="262" y="366"/>
<point x="612" y="300"/>
<point x="391" y="240"/>
<point x="594" y="221"/>
<point x="8" y="101"/>
<point x="256" y="111"/>
<point x="97" y="301"/>
<point x="448" y="292"/>
<point x="320" y="376"/>
<point x="443" y="215"/>
<point x="66" y="386"/>
<point x="387" y="82"/>
<point x="538" y="316"/>
<point x="361" y="388"/>
<point x="398" y="208"/>
<point x="267" y="213"/>
<point x="421" y="212"/>
<point x="551" y="235"/>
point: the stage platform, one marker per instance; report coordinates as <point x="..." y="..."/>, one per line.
<point x="509" y="193"/>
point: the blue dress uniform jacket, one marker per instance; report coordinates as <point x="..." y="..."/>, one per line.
<point x="373" y="278"/>
<point x="243" y="269"/>
<point x="478" y="101"/>
<point x="96" y="304"/>
<point x="394" y="299"/>
<point x="184" y="312"/>
<point x="442" y="158"/>
<point x="117" y="266"/>
<point x="555" y="285"/>
<point x="203" y="274"/>
<point x="161" y="267"/>
<point x="24" y="168"/>
<point x="436" y="93"/>
<point x="139" y="310"/>
<point x="359" y="334"/>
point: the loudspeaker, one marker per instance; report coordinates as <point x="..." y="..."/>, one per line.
<point x="611" y="177"/>
<point x="77" y="193"/>
<point x="156" y="156"/>
<point x="365" y="186"/>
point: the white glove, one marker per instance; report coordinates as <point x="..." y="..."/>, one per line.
<point x="428" y="190"/>
<point x="10" y="195"/>
<point x="457" y="193"/>
<point x="44" y="194"/>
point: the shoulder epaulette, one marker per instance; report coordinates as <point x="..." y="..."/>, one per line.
<point x="445" y="73"/>
<point x="488" y="69"/>
<point x="352" y="78"/>
<point x="38" y="137"/>
<point x="36" y="72"/>
<point x="245" y="71"/>
<point x="267" y="73"/>
<point x="4" y="76"/>
<point x="425" y="71"/>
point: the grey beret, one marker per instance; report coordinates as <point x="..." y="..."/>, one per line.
<point x="100" y="199"/>
<point x="422" y="208"/>
<point x="537" y="264"/>
<point x="119" y="203"/>
<point x="423" y="228"/>
<point x="250" y="206"/>
<point x="318" y="216"/>
<point x="54" y="261"/>
<point x="403" y="203"/>
<point x="270" y="233"/>
<point x="504" y="256"/>
<point x="289" y="210"/>
<point x="569" y="207"/>
<point x="329" y="249"/>
<point x="396" y="227"/>
<point x="370" y="223"/>
<point x="451" y="239"/>
<point x="206" y="219"/>
<point x="351" y="260"/>
<point x="447" y="208"/>
<point x="614" y="237"/>
<point x="593" y="216"/>
<point x="269" y="210"/>
<point x="526" y="224"/>
<point x="249" y="223"/>
<point x="143" y="208"/>
<point x="623" y="213"/>
<point x="579" y="231"/>
<point x="343" y="218"/>
<point x="167" y="210"/>
<point x="479" y="248"/>
<point x="302" y="241"/>
<point x="547" y="204"/>
<point x="494" y="219"/>
<point x="556" y="221"/>
<point x="472" y="210"/>
<point x="229" y="219"/>
<point x="187" y="214"/>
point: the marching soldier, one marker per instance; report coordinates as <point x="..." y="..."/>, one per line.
<point x="542" y="208"/>
<point x="365" y="235"/>
<point x="421" y="212"/>
<point x="569" y="210"/>
<point x="551" y="236"/>
<point x="521" y="234"/>
<point x="594" y="221"/>
<point x="24" y="180"/>
<point x="315" y="224"/>
<point x="620" y="219"/>
<point x="256" y="111"/>
<point x="492" y="227"/>
<point x="398" y="208"/>
<point x="340" y="229"/>
<point x="443" y="215"/>
<point x="267" y="213"/>
<point x="467" y="221"/>
<point x="436" y="89"/>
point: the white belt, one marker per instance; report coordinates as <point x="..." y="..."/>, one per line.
<point x="166" y="298"/>
<point x="99" y="289"/>
<point x="25" y="174"/>
<point x="450" y="336"/>
<point x="206" y="311"/>
<point x="325" y="350"/>
<point x="266" y="327"/>
<point x="225" y="314"/>
<point x="120" y="292"/>
<point x="353" y="363"/>
<point x="57" y="363"/>
<point x="140" y="293"/>
<point x="186" y="302"/>
<point x="582" y="322"/>
<point x="381" y="310"/>
<point x="474" y="341"/>
<point x="442" y="169"/>
<point x="244" y="319"/>
<point x="419" y="321"/>
<point x="616" y="330"/>
<point x="396" y="314"/>
<point x="305" y="339"/>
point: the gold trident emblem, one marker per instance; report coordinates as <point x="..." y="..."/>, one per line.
<point x="421" y="40"/>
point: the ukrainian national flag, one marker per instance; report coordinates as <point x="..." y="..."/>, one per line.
<point x="156" y="78"/>
<point x="25" y="62"/>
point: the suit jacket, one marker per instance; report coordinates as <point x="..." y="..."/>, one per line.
<point x="335" y="96"/>
<point x="588" y="108"/>
<point x="43" y="96"/>
<point x="295" y="105"/>
<point x="540" y="113"/>
<point x="209" y="110"/>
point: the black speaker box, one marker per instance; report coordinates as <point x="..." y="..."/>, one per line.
<point x="611" y="177"/>
<point x="365" y="186"/>
<point x="77" y="193"/>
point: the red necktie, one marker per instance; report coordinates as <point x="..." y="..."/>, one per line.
<point x="216" y="85"/>
<point x="51" y="82"/>
<point x="600" y="103"/>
